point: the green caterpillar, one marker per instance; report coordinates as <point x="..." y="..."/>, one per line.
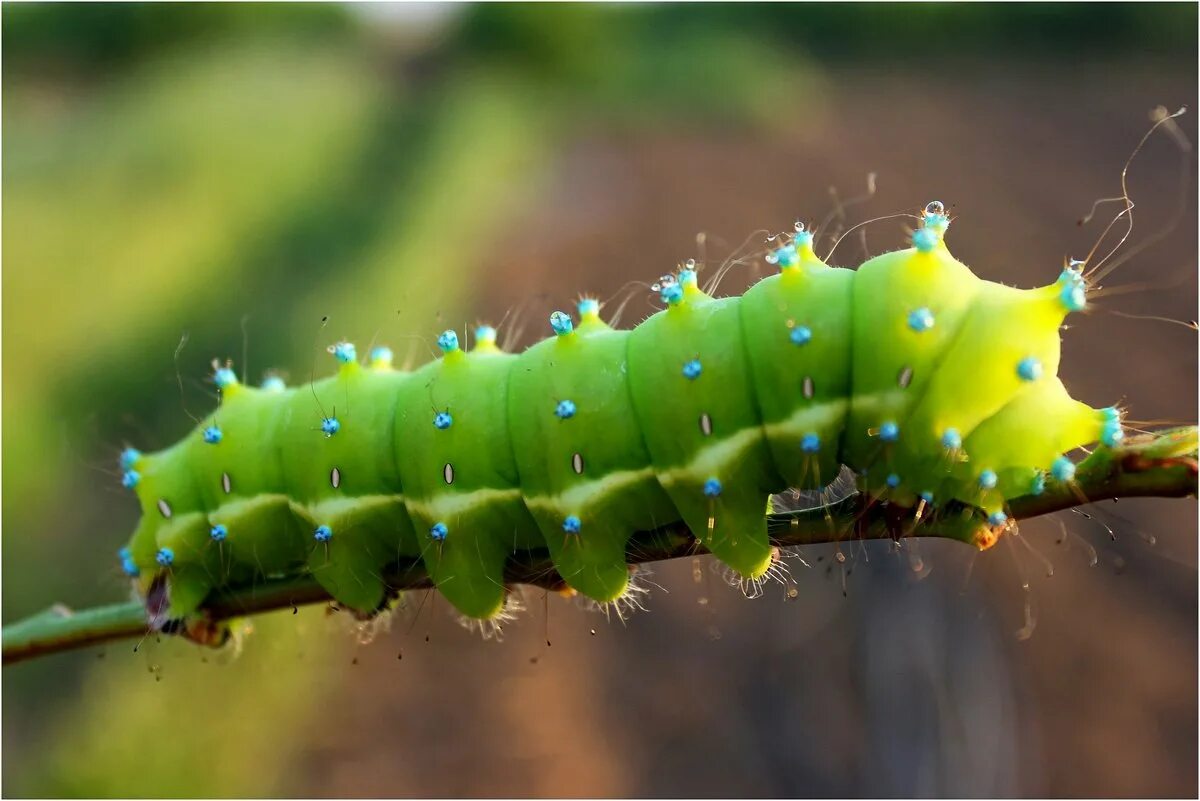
<point x="937" y="388"/>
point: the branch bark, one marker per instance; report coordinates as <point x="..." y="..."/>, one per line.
<point x="1163" y="464"/>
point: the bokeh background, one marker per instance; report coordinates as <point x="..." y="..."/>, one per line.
<point x="171" y="169"/>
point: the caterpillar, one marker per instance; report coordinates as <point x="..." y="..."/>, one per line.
<point x="938" y="389"/>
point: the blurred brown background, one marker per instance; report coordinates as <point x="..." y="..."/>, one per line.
<point x="171" y="169"/>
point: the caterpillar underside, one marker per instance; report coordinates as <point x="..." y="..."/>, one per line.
<point x="932" y="385"/>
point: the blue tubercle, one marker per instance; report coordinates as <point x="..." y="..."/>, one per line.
<point x="803" y="239"/>
<point x="448" y="340"/>
<point x="672" y="294"/>
<point x="927" y="496"/>
<point x="344" y="352"/>
<point x="1029" y="369"/>
<point x="937" y="222"/>
<point x="951" y="439"/>
<point x="692" y="369"/>
<point x="893" y="480"/>
<point x="485" y="333"/>
<point x="274" y="383"/>
<point x="381" y="356"/>
<point x="442" y="420"/>
<point x="810" y="443"/>
<point x="787" y="256"/>
<point x="561" y="323"/>
<point x="130" y="479"/>
<point x="128" y="566"/>
<point x="165" y="557"/>
<point x="323" y="533"/>
<point x="129" y="458"/>
<point x="1063" y="469"/>
<point x="565" y="409"/>
<point x="712" y="488"/>
<point x="1073" y="297"/>
<point x="925" y="239"/>
<point x="438" y="532"/>
<point x="1038" y="485"/>
<point x="988" y="479"/>
<point x="330" y="426"/>
<point x="800" y="335"/>
<point x="588" y="306"/>
<point x="997" y="518"/>
<point x="224" y="377"/>
<point x="1113" y="434"/>
<point x="212" y="435"/>
<point x="687" y="276"/>
<point x="889" y="432"/>
<point x="572" y="524"/>
<point x="1073" y="294"/>
<point x="218" y="533"/>
<point x="920" y="319"/>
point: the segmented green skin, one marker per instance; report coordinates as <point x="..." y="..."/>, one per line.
<point x="814" y="355"/>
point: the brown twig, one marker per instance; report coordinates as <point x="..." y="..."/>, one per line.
<point x="1162" y="465"/>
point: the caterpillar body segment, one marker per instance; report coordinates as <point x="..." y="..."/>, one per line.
<point x="908" y="308"/>
<point x="348" y="518"/>
<point x="587" y="476"/>
<point x="705" y="434"/>
<point x="932" y="385"/>
<point x="794" y="327"/>
<point x="459" y="474"/>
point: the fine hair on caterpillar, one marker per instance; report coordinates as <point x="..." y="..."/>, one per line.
<point x="937" y="391"/>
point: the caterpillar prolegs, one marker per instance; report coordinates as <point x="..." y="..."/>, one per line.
<point x="938" y="389"/>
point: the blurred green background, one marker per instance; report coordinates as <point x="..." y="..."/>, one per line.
<point x="238" y="171"/>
